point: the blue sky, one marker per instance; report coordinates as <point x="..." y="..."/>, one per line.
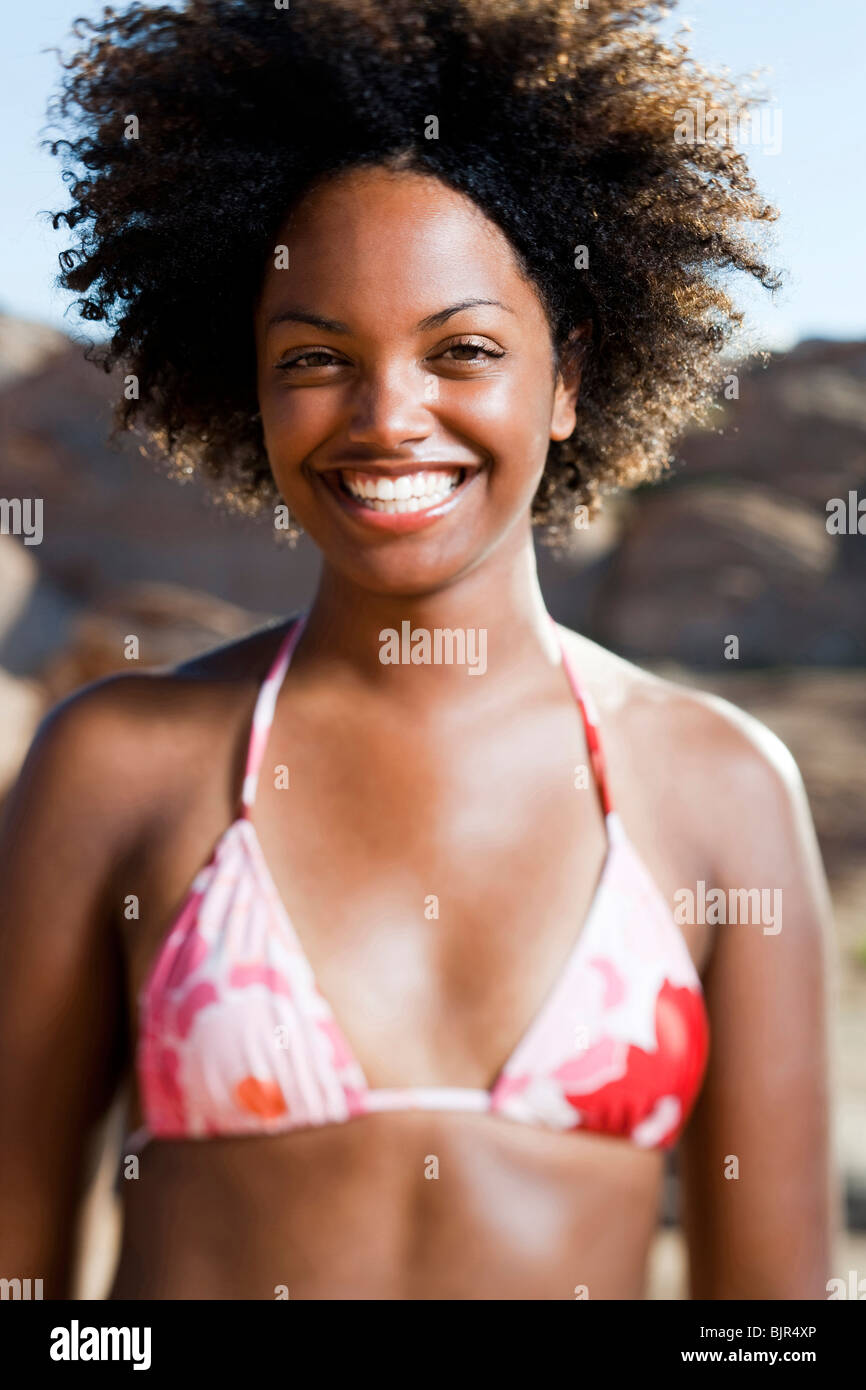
<point x="812" y="55"/>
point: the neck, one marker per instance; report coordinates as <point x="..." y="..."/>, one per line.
<point x="495" y="613"/>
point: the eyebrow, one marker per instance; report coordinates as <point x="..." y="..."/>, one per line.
<point x="297" y="315"/>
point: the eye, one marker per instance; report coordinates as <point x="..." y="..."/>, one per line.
<point x="470" y="351"/>
<point x="476" y="350"/>
<point x="305" y="360"/>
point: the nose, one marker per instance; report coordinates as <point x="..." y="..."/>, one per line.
<point x="391" y="407"/>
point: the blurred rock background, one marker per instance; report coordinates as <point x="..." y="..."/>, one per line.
<point x="734" y="542"/>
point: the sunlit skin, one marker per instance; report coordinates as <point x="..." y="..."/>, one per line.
<point x="408" y="781"/>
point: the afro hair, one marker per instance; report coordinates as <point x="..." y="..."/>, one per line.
<point x="195" y="129"/>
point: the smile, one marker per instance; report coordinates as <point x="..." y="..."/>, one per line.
<point x="409" y="492"/>
<point x="400" y="501"/>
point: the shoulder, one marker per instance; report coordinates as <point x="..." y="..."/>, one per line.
<point x="723" y="772"/>
<point x="117" y="747"/>
<point x="701" y="727"/>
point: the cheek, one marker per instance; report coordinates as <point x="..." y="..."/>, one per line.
<point x="509" y="417"/>
<point x="511" y="421"/>
<point x="295" y="425"/>
<point x="294" y="422"/>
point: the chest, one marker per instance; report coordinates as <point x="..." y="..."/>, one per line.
<point x="437" y="878"/>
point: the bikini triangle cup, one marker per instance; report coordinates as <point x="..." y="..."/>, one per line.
<point x="236" y="1038"/>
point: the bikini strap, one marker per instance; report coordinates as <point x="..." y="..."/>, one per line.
<point x="590" y="725"/>
<point x="263" y="714"/>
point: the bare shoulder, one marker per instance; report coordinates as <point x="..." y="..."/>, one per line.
<point x="115" y="749"/>
<point x="695" y="724"/>
<point x="727" y="777"/>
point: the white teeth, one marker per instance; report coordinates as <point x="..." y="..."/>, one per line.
<point x="409" y="492"/>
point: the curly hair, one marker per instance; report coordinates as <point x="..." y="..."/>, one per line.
<point x="560" y="122"/>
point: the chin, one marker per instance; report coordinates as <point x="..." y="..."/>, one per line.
<point x="394" y="576"/>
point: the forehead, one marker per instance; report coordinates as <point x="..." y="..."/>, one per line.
<point x="397" y="244"/>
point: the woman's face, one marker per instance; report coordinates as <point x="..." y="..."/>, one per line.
<point x="405" y="380"/>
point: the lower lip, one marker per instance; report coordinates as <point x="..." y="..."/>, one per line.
<point x="400" y="522"/>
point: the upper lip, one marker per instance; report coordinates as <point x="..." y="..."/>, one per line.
<point x="397" y="470"/>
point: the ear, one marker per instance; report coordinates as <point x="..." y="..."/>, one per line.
<point x="564" y="415"/>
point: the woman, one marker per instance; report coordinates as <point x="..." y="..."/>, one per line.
<point x="389" y="953"/>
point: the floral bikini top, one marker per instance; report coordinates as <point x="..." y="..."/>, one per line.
<point x="236" y="1038"/>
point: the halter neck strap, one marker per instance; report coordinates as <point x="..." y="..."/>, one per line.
<point x="589" y="716"/>
<point x="263" y="714"/>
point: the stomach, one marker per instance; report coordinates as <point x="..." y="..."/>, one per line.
<point x="413" y="1205"/>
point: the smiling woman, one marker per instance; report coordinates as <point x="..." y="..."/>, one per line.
<point x="558" y="123"/>
<point x="389" y="408"/>
<point x="388" y="914"/>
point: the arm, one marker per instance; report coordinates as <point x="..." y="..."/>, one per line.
<point x="767" y="1233"/>
<point x="62" y="1016"/>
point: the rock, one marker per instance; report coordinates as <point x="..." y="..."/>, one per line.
<point x="26" y="346"/>
<point x="798" y="427"/>
<point x="704" y="562"/>
<point x="19" y="574"/>
<point x="170" y="625"/>
<point x="21" y="707"/>
<point x="111" y="518"/>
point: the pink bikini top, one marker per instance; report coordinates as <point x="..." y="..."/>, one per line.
<point x="235" y="1036"/>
